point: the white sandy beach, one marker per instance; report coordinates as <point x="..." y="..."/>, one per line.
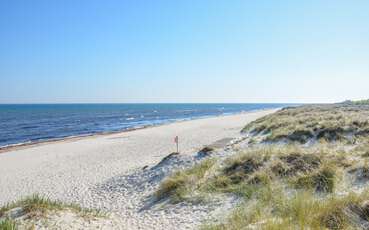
<point x="71" y="170"/>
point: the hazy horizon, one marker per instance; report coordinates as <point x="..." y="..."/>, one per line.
<point x="183" y="52"/>
<point x="129" y="103"/>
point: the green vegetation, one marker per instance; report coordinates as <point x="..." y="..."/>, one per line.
<point x="241" y="174"/>
<point x="179" y="186"/>
<point x="8" y="224"/>
<point x="38" y="206"/>
<point x="359" y="102"/>
<point x="336" y="122"/>
<point x="269" y="209"/>
<point x="321" y="181"/>
<point x="281" y="187"/>
<point x="240" y="167"/>
<point x="296" y="163"/>
<point x="245" y="172"/>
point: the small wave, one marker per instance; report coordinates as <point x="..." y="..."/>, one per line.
<point x="186" y="111"/>
<point x="130" y="119"/>
<point x="30" y="127"/>
<point x="15" y="144"/>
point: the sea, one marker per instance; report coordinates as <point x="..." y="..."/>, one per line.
<point x="27" y="123"/>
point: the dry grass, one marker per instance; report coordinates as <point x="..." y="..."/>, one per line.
<point x="320" y="181"/>
<point x="285" y="187"/>
<point x="248" y="170"/>
<point x="335" y="122"/>
<point x="241" y="174"/>
<point x="179" y="186"/>
<point x="269" y="209"/>
<point x="297" y="187"/>
<point x="38" y="206"/>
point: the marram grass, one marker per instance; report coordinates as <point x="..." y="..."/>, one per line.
<point x="37" y="205"/>
<point x="331" y="123"/>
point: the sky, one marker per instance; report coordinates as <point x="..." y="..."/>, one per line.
<point x="93" y="51"/>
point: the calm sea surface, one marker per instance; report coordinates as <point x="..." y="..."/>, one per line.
<point x="33" y="123"/>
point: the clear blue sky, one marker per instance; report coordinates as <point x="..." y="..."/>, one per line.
<point x="183" y="51"/>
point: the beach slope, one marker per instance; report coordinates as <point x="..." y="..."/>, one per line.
<point x="66" y="170"/>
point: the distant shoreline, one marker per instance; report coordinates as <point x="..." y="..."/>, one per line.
<point x="19" y="146"/>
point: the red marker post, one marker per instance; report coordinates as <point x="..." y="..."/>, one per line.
<point x="176" y="141"/>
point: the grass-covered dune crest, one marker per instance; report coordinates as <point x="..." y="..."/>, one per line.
<point x="346" y="121"/>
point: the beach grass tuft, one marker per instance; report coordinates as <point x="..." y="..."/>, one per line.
<point x="37" y="205"/>
<point x="320" y="181"/>
<point x="8" y="224"/>
<point x="180" y="184"/>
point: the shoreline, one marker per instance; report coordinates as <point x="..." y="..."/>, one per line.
<point x="30" y="144"/>
<point x="108" y="172"/>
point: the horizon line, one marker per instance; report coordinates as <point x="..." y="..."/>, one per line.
<point x="92" y="103"/>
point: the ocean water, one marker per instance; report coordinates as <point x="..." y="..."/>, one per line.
<point x="40" y="122"/>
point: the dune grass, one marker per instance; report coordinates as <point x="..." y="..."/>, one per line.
<point x="8" y="224"/>
<point x="250" y="169"/>
<point x="335" y="122"/>
<point x="359" y="102"/>
<point x="300" y="186"/>
<point x="179" y="186"/>
<point x="320" y="181"/>
<point x="241" y="174"/>
<point x="280" y="187"/>
<point x="269" y="209"/>
<point x="39" y="206"/>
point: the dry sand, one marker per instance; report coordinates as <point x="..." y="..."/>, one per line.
<point x="76" y="170"/>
